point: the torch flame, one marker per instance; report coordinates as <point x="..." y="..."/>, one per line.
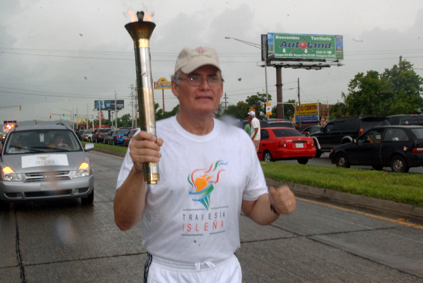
<point x="134" y="18"/>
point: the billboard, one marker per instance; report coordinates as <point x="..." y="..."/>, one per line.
<point x="108" y="104"/>
<point x="308" y="113"/>
<point x="305" y="46"/>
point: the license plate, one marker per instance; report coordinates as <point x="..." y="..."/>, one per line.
<point x="299" y="145"/>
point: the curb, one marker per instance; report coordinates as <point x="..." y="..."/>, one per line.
<point x="407" y="210"/>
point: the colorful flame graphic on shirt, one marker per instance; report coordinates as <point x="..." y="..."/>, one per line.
<point x="202" y="181"/>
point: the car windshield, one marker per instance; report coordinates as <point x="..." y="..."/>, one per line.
<point x="286" y="133"/>
<point x="121" y="132"/>
<point x="30" y="141"/>
<point x="418" y="133"/>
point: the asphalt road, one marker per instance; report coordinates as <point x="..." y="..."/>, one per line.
<point x="320" y="242"/>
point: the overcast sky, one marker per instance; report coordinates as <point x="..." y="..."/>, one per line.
<point x="59" y="56"/>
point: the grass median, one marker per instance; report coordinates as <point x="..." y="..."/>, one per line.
<point x="399" y="187"/>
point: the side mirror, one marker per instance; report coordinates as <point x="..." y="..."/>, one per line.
<point x="89" y="146"/>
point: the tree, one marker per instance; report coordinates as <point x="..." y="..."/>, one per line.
<point x="396" y="91"/>
<point x="258" y="102"/>
<point x="339" y="109"/>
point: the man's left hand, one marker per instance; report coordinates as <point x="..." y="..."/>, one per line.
<point x="282" y="199"/>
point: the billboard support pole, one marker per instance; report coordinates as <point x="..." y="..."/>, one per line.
<point x="299" y="102"/>
<point x="279" y="98"/>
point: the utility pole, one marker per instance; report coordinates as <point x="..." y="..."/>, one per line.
<point x="225" y="100"/>
<point x="115" y="110"/>
<point x="132" y="105"/>
<point x="299" y="102"/>
<point x="99" y="113"/>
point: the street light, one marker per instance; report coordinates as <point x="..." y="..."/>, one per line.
<point x="256" y="45"/>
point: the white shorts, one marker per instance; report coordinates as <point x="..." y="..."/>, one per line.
<point x="158" y="270"/>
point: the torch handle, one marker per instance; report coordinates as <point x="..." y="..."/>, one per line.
<point x="145" y="92"/>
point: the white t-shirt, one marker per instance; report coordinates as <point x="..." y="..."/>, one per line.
<point x="255" y="124"/>
<point x="192" y="213"/>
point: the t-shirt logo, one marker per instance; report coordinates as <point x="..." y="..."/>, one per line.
<point x="202" y="182"/>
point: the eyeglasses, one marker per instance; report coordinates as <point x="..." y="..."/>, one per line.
<point x="197" y="80"/>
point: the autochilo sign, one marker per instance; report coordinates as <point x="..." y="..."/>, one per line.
<point x="162" y="83"/>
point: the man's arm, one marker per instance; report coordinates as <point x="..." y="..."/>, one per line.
<point x="255" y="133"/>
<point x="282" y="199"/>
<point x="130" y="196"/>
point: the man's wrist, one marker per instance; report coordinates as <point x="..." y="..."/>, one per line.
<point x="272" y="208"/>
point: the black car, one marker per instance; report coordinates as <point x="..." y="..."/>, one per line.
<point x="311" y="130"/>
<point x="344" y="130"/>
<point x="399" y="147"/>
<point x="99" y="134"/>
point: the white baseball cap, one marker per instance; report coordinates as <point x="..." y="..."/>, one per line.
<point x="190" y="59"/>
<point x="252" y="113"/>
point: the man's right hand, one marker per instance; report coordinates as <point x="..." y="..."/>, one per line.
<point x="144" y="148"/>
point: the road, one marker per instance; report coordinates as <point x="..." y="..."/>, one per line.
<point x="320" y="242"/>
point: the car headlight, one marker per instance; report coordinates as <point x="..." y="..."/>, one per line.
<point x="83" y="170"/>
<point x="8" y="174"/>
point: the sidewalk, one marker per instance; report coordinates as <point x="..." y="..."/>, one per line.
<point x="406" y="210"/>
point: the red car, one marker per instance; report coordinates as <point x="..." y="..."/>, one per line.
<point x="285" y="143"/>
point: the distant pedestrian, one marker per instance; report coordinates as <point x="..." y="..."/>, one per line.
<point x="247" y="128"/>
<point x="255" y="129"/>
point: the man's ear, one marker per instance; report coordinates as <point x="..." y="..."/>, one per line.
<point x="175" y="89"/>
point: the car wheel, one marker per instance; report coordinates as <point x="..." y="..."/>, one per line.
<point x="342" y="161"/>
<point x="88" y="199"/>
<point x="377" y="167"/>
<point x="302" y="160"/>
<point x="267" y="156"/>
<point x="398" y="164"/>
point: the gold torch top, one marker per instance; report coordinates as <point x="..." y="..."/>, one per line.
<point x="140" y="29"/>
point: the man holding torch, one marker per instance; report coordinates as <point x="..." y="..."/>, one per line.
<point x="209" y="173"/>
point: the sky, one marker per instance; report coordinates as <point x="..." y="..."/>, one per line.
<point x="57" y="57"/>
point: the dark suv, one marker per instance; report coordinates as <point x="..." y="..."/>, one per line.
<point x="280" y="123"/>
<point x="344" y="130"/>
<point x="406" y="119"/>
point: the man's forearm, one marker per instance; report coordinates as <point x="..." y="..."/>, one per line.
<point x="130" y="200"/>
<point x="259" y="211"/>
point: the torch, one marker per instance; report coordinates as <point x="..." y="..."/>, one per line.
<point x="140" y="32"/>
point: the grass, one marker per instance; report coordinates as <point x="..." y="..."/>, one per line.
<point x="115" y="148"/>
<point x="399" y="187"/>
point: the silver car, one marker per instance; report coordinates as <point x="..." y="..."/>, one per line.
<point x="45" y="162"/>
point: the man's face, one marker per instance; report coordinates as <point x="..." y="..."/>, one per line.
<point x="201" y="99"/>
